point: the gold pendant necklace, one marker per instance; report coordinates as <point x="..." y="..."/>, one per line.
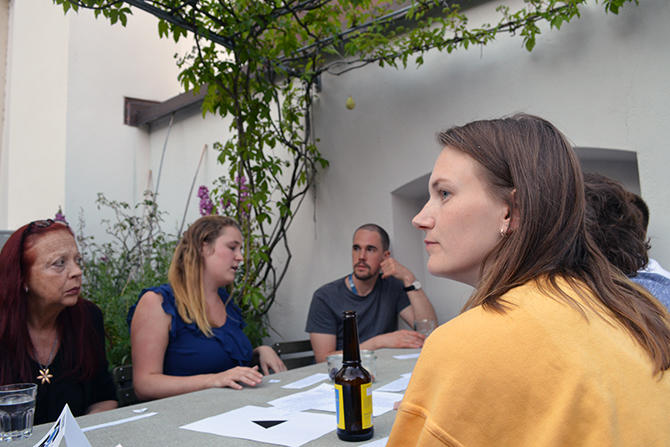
<point x="45" y="376"/>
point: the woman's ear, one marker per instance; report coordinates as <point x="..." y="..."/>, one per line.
<point x="512" y="218"/>
<point x="205" y="249"/>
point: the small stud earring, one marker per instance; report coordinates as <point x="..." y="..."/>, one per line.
<point x="26" y="288"/>
<point x="503" y="233"/>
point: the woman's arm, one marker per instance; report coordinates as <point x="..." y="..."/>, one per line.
<point x="102" y="406"/>
<point x="149" y="337"/>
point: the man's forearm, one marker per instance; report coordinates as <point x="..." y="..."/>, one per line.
<point x="372" y="344"/>
<point x="421" y="305"/>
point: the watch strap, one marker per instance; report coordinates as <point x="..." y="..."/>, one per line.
<point x="416" y="285"/>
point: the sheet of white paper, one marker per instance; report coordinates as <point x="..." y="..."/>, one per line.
<point x="307" y="381"/>
<point x="381" y="403"/>
<point x="321" y="397"/>
<point x="407" y="356"/>
<point x="294" y="430"/>
<point x="377" y="443"/>
<point x="397" y="385"/>
<point x="119" y="421"/>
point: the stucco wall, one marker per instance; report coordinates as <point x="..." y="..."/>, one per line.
<point x="106" y="64"/>
<point x="189" y="134"/>
<point x="4" y="36"/>
<point x="64" y="134"/>
<point x="36" y="107"/>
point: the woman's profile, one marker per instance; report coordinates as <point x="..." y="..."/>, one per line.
<point x="555" y="347"/>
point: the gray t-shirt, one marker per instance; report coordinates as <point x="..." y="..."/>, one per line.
<point x="377" y="312"/>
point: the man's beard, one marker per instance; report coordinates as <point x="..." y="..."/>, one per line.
<point x="365" y="277"/>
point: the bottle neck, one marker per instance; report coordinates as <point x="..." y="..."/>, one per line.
<point x="350" y="348"/>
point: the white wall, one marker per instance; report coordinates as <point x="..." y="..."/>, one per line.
<point x="65" y="140"/>
<point x="189" y="134"/>
<point x="4" y="36"/>
<point x="34" y="139"/>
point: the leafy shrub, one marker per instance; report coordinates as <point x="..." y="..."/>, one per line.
<point x="136" y="256"/>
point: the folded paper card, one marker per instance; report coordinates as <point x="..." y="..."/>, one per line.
<point x="65" y="428"/>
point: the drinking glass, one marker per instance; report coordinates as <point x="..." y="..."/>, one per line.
<point x="425" y="326"/>
<point x="368" y="359"/>
<point x="17" y="408"/>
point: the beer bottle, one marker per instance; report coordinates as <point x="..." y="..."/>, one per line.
<point x="353" y="395"/>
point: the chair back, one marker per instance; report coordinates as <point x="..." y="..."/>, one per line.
<point x="123" y="379"/>
<point x="295" y="354"/>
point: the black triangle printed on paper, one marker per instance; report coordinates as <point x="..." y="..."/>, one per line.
<point x="268" y="424"/>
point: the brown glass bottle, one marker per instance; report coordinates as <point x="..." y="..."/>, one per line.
<point x="353" y="395"/>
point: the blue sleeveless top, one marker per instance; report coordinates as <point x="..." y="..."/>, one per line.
<point x="190" y="351"/>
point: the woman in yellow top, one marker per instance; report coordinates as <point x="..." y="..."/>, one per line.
<point x="555" y="347"/>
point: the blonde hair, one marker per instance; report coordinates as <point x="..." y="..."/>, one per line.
<point x="185" y="274"/>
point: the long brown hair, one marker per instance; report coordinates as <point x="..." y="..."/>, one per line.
<point x="185" y="274"/>
<point x="531" y="165"/>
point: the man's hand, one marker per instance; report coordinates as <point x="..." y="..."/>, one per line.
<point x="391" y="267"/>
<point x="420" y="307"/>
<point x="398" y="339"/>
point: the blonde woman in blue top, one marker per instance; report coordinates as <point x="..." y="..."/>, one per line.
<point x="187" y="335"/>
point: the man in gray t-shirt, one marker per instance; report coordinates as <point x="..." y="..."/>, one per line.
<point x="379" y="289"/>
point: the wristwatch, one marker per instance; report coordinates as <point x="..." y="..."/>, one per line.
<point x="416" y="285"/>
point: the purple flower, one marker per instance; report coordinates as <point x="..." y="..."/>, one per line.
<point x="206" y="205"/>
<point x="60" y="217"/>
<point x="244" y="189"/>
<point x="244" y="194"/>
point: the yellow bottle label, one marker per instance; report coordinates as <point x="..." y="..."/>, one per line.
<point x="366" y="405"/>
<point x="339" y="401"/>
